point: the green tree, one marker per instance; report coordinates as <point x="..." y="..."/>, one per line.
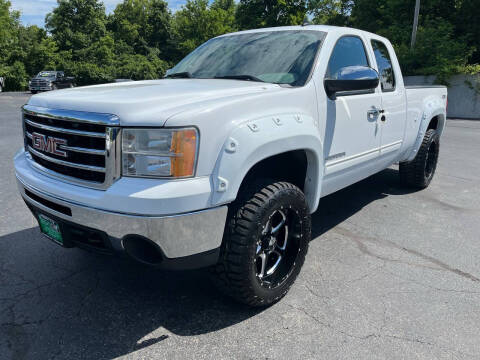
<point x="86" y="50"/>
<point x="143" y="27"/>
<point x="267" y="13"/>
<point x="76" y="24"/>
<point x="468" y="26"/>
<point x="330" y="12"/>
<point x="142" y="37"/>
<point x="9" y="24"/>
<point x="37" y="51"/>
<point x="197" y="22"/>
<point x="16" y="77"/>
<point x="436" y="52"/>
<point x="440" y="49"/>
<point x="139" y="67"/>
<point x="9" y="28"/>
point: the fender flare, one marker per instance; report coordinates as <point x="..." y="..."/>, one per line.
<point x="432" y="107"/>
<point x="256" y="140"/>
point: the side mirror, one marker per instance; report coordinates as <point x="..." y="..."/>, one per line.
<point x="351" y="78"/>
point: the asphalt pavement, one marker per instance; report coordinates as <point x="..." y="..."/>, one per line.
<point x="391" y="274"/>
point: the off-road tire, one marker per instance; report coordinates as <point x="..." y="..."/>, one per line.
<point x="419" y="172"/>
<point x="235" y="274"/>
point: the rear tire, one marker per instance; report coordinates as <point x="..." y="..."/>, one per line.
<point x="265" y="242"/>
<point x="419" y="172"/>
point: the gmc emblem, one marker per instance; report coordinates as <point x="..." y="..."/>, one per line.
<point x="48" y="144"/>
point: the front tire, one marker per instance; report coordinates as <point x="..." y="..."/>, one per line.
<point x="265" y="243"/>
<point x="419" y="172"/>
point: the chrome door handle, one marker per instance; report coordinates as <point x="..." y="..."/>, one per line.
<point x="374" y="113"/>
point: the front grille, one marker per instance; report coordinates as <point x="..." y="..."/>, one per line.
<point x="75" y="146"/>
<point x="38" y="82"/>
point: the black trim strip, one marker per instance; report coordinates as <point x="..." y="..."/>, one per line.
<point x="49" y="204"/>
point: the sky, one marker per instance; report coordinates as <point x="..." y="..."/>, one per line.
<point x="34" y="11"/>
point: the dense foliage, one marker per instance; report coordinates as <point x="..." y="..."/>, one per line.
<point x="143" y="38"/>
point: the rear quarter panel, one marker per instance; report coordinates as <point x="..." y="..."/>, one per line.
<point x="423" y="104"/>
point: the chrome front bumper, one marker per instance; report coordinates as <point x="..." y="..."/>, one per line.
<point x="40" y="88"/>
<point x="177" y="236"/>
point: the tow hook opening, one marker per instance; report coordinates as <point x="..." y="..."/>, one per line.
<point x="142" y="250"/>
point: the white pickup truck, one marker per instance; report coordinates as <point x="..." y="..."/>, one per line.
<point x="221" y="163"/>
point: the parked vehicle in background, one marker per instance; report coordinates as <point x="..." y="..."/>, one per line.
<point x="2" y="83"/>
<point x="50" y="80"/>
<point x="222" y="163"/>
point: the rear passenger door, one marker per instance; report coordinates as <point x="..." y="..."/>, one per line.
<point x="352" y="137"/>
<point x="393" y="120"/>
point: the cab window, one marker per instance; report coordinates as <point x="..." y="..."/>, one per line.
<point x="384" y="63"/>
<point x="348" y="51"/>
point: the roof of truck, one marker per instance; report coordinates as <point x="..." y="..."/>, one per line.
<point x="323" y="28"/>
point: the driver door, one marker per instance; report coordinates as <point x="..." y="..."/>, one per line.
<point x="60" y="80"/>
<point x="352" y="134"/>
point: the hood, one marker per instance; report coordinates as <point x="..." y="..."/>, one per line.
<point x="148" y="102"/>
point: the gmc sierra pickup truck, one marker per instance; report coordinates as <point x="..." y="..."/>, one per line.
<point x="221" y="163"/>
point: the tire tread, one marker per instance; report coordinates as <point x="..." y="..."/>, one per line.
<point x="412" y="173"/>
<point x="229" y="273"/>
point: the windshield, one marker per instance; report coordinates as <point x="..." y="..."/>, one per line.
<point x="46" y="74"/>
<point x="281" y="57"/>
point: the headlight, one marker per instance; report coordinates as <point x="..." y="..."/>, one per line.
<point x="159" y="152"/>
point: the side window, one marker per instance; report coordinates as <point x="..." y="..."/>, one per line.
<point x="385" y="68"/>
<point x="349" y="51"/>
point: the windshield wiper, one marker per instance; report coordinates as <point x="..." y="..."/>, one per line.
<point x="184" y="74"/>
<point x="240" y="77"/>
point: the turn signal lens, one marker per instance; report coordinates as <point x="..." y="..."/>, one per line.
<point x="184" y="146"/>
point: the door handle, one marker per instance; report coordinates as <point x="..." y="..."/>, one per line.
<point x="374" y="113"/>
